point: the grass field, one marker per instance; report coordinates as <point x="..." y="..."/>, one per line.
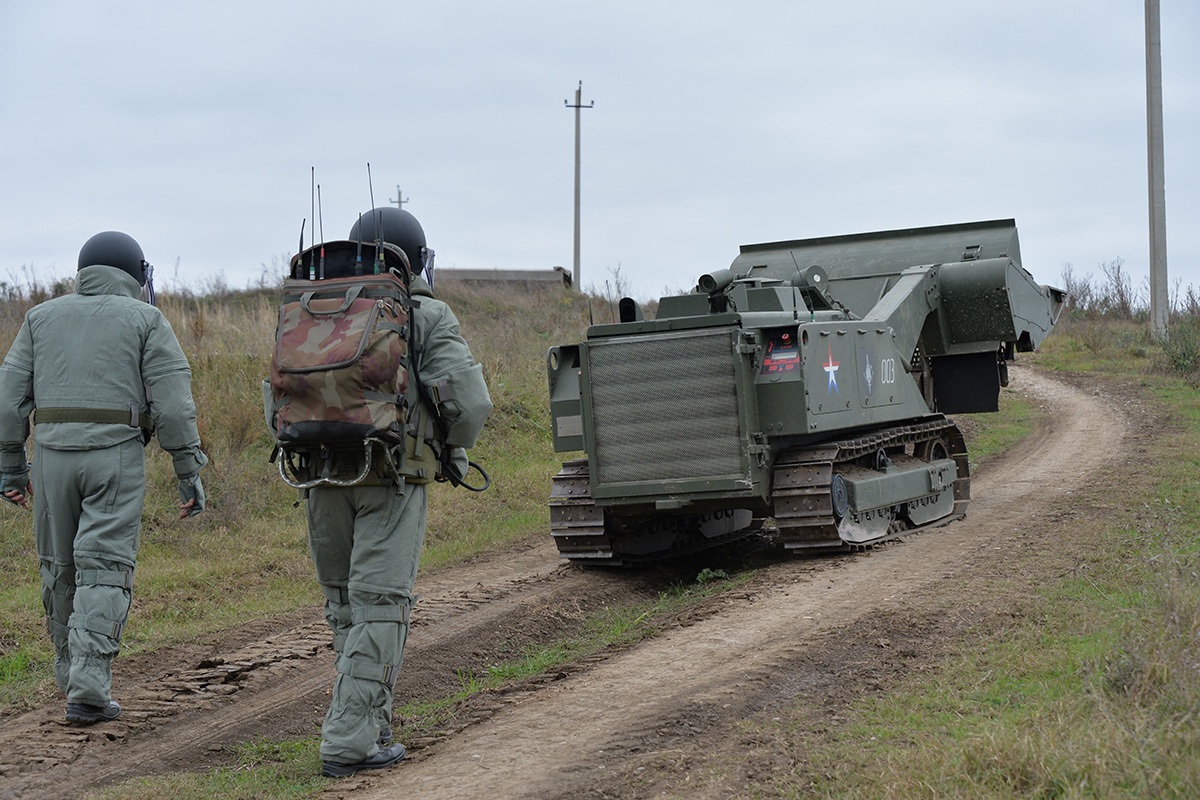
<point x="1092" y="693"/>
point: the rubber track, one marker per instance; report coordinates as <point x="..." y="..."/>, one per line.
<point x="576" y="522"/>
<point x="800" y="494"/>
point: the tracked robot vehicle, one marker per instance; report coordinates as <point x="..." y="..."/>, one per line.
<point x="806" y="387"/>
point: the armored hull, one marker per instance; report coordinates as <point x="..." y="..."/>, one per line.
<point x="783" y="392"/>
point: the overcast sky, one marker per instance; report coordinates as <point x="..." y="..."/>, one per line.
<point x="195" y="127"/>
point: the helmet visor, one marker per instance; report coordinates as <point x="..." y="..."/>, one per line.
<point x="427" y="264"/>
<point x="148" y="286"/>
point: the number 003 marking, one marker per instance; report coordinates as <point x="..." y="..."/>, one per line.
<point x="887" y="370"/>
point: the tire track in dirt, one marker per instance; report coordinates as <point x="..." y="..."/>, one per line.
<point x="559" y="741"/>
<point x="186" y="716"/>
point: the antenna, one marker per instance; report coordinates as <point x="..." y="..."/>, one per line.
<point x="378" y="223"/>
<point x="378" y="214"/>
<point x="370" y="184"/>
<point x="358" y="260"/>
<point x="301" y="250"/>
<point x="321" y="223"/>
<point x="312" y="194"/>
<point x="810" y="304"/>
<point x="379" y="260"/>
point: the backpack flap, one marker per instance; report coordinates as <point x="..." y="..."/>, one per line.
<point x="339" y="371"/>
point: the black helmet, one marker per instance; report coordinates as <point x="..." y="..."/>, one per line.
<point x="115" y="249"/>
<point x="394" y="226"/>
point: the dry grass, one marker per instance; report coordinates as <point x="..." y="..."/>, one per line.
<point x="246" y="556"/>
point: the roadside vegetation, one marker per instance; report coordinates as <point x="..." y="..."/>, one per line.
<point x="1091" y="691"/>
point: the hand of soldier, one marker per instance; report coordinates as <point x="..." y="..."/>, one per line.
<point x="191" y="496"/>
<point x="16" y="488"/>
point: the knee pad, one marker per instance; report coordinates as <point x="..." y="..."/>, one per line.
<point x="399" y="611"/>
<point x="120" y="577"/>
<point x="102" y="599"/>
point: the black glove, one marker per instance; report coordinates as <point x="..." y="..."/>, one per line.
<point x="15" y="480"/>
<point x="191" y="488"/>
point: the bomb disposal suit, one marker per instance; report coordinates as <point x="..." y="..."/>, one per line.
<point x="365" y="539"/>
<point x="97" y="371"/>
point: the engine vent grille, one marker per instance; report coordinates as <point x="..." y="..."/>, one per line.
<point x="665" y="407"/>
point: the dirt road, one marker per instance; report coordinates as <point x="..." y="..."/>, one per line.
<point x="653" y="720"/>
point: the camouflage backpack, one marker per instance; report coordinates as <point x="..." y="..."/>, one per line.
<point x="339" y="372"/>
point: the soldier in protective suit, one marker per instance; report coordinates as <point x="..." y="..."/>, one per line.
<point x="99" y="371"/>
<point x="365" y="540"/>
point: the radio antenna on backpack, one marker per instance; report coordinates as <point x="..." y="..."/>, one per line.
<point x="321" y="224"/>
<point x="358" y="256"/>
<point x="370" y="184"/>
<point x="312" y="196"/>
<point x="378" y="223"/>
<point x="378" y="241"/>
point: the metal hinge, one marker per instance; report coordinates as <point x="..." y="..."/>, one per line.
<point x="759" y="450"/>
<point x="748" y="345"/>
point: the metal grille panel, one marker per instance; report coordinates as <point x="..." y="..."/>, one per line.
<point x="665" y="408"/>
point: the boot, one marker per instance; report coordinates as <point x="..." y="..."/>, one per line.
<point x="84" y="714"/>
<point x="385" y="758"/>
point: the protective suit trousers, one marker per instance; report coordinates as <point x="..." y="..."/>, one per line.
<point x="87" y="507"/>
<point x="365" y="542"/>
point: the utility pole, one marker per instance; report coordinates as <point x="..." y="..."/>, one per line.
<point x="399" y="201"/>
<point x="1159" y="311"/>
<point x="578" y="105"/>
